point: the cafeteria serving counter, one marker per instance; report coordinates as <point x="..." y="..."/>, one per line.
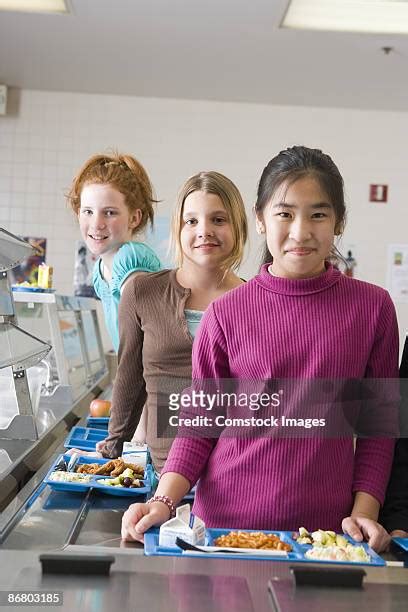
<point x="21" y="459"/>
<point x="142" y="583"/>
<point x="52" y="364"/>
<point x="40" y="520"/>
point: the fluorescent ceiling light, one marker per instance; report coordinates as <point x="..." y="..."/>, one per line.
<point x="375" y="16"/>
<point x="34" y="6"/>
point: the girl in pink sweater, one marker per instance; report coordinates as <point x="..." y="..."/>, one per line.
<point x="302" y="319"/>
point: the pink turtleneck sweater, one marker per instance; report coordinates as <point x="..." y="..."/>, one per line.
<point x="331" y="327"/>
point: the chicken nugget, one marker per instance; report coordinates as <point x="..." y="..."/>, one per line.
<point x="105" y="469"/>
<point x="120" y="467"/>
<point x="87" y="468"/>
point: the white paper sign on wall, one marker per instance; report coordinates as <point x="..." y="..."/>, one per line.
<point x="397" y="274"/>
<point x="3" y="99"/>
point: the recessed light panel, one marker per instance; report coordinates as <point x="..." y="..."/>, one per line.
<point x="375" y="16"/>
<point x="34" y="6"/>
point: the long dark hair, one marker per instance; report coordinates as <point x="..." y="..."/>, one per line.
<point x="297" y="162"/>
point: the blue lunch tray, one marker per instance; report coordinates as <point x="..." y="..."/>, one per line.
<point x="60" y="500"/>
<point x="64" y="500"/>
<point x="151" y="547"/>
<point x="95" y="422"/>
<point x="96" y="482"/>
<point x="402" y="542"/>
<point x="84" y="438"/>
<point x="18" y="289"/>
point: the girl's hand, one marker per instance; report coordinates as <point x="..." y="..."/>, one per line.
<point x="138" y="518"/>
<point x="84" y="453"/>
<point x="361" y="528"/>
<point x="100" y="445"/>
<point x="399" y="533"/>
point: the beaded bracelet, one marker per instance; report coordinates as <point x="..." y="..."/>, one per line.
<point x="167" y="501"/>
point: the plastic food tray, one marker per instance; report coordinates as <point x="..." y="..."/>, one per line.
<point x="32" y="289"/>
<point x="84" y="438"/>
<point x="96" y="482"/>
<point x="60" y="500"/>
<point x="95" y="422"/>
<point x="402" y="542"/>
<point x="151" y="547"/>
<point x="63" y="500"/>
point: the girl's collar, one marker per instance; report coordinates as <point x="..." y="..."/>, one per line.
<point x="102" y="265"/>
<point x="304" y="286"/>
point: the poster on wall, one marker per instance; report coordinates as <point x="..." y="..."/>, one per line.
<point x="397" y="273"/>
<point x="27" y="271"/>
<point x="83" y="271"/>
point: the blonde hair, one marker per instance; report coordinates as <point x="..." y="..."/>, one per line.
<point x="125" y="174"/>
<point x="218" y="184"/>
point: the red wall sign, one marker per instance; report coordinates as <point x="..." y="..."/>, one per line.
<point x="378" y="193"/>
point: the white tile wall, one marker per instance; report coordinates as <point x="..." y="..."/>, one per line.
<point x="48" y="135"/>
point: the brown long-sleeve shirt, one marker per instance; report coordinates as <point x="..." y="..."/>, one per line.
<point x="154" y="359"/>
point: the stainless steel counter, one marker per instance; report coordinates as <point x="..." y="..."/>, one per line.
<point x="86" y="524"/>
<point x="26" y="457"/>
<point x="186" y="585"/>
<point x="40" y="520"/>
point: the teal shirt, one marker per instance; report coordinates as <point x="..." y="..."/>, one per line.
<point x="131" y="257"/>
<point x="193" y="318"/>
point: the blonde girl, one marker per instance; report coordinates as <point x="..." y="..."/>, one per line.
<point x="160" y="312"/>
